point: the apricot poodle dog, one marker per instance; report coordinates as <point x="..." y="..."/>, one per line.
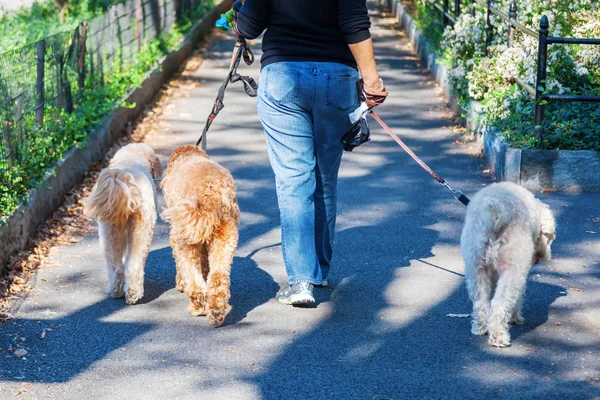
<point x="204" y="217"/>
<point x="123" y="201"/>
<point x="506" y="231"/>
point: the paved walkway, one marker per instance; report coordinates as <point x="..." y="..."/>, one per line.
<point x="380" y="332"/>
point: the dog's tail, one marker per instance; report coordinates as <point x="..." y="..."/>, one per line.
<point x="501" y="213"/>
<point x="114" y="197"/>
<point x="191" y="221"/>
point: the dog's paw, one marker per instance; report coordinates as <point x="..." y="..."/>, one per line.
<point x="478" y="329"/>
<point x="133" y="296"/>
<point x="116" y="290"/>
<point x="517" y="320"/>
<point x="216" y="318"/>
<point x="196" y="312"/>
<point x="499" y="338"/>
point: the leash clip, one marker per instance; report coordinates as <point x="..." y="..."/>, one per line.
<point x="458" y="195"/>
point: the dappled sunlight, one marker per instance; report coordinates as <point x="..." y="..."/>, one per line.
<point x="382" y="328"/>
<point x="415" y="290"/>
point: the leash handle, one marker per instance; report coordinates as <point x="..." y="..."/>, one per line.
<point x="457" y="193"/>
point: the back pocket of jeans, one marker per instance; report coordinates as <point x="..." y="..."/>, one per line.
<point x="341" y="92"/>
<point x="282" y="86"/>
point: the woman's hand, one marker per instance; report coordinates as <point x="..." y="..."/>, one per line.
<point x="375" y="92"/>
<point x="373" y="89"/>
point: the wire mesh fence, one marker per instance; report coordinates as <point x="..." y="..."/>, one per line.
<point x="45" y="81"/>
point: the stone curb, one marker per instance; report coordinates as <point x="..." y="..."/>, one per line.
<point x="571" y="171"/>
<point x="44" y="200"/>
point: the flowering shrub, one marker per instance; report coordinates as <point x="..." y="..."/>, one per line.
<point x="489" y="77"/>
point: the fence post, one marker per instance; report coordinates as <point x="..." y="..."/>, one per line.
<point x="39" y="104"/>
<point x="472" y="8"/>
<point x="540" y="84"/>
<point x="100" y="68"/>
<point x="456" y="8"/>
<point x="445" y="17"/>
<point x="512" y="16"/>
<point x="490" y="28"/>
<point x="81" y="55"/>
<point x="138" y="23"/>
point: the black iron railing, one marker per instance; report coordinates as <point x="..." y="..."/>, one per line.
<point x="539" y="92"/>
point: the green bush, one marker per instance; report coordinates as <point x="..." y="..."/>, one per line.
<point x="489" y="74"/>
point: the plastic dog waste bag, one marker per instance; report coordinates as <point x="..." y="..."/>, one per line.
<point x="359" y="133"/>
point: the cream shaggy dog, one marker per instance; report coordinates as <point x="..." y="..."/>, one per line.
<point x="123" y="201"/>
<point x="506" y="231"/>
<point x="204" y="217"/>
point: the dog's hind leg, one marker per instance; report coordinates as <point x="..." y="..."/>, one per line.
<point x="140" y="228"/>
<point x="179" y="282"/>
<point x="513" y="267"/>
<point x="220" y="257"/>
<point x="112" y="240"/>
<point x="479" y="285"/>
<point x="189" y="268"/>
<point x="516" y="317"/>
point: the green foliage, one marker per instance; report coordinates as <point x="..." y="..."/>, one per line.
<point x="42" y="19"/>
<point x="62" y="131"/>
<point x="429" y="22"/>
<point x="490" y="76"/>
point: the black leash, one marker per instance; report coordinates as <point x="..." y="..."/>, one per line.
<point x="457" y="193"/>
<point x="241" y="50"/>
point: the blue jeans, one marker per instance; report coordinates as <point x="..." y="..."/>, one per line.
<point x="304" y="107"/>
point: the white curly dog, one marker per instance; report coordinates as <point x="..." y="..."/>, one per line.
<point x="506" y="231"/>
<point x="123" y="201"/>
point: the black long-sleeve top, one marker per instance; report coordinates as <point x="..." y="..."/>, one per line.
<point x="305" y="30"/>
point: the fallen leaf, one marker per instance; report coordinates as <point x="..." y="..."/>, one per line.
<point x="558" y="323"/>
<point x="451" y="216"/>
<point x="20" y="353"/>
<point x="592" y="232"/>
<point x="530" y="349"/>
<point x="43" y="335"/>
<point x="232" y="351"/>
<point x="458" y="315"/>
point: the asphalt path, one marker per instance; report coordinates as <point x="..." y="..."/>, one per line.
<point x="380" y="331"/>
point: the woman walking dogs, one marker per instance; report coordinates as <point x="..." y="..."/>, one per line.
<point x="308" y="87"/>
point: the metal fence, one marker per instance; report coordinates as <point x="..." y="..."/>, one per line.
<point x="511" y="19"/>
<point x="51" y="77"/>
